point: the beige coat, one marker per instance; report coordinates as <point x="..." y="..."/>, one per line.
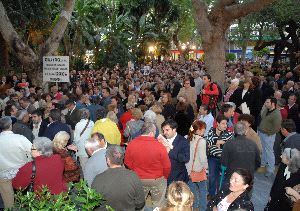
<point x="252" y="135"/>
<point x="190" y="94"/>
<point x="159" y="120"/>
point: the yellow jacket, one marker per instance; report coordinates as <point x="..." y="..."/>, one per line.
<point x="109" y="129"/>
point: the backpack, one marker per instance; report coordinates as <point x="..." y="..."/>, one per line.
<point x="220" y="96"/>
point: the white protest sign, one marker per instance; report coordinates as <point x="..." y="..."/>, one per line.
<point x="56" y="69"/>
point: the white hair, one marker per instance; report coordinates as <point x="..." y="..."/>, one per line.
<point x="21" y="114"/>
<point x="293" y="155"/>
<point x="150" y="116"/>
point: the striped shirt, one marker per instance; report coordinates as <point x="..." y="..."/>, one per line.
<point x="211" y="140"/>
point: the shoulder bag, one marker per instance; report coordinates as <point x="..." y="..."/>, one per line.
<point x="84" y="127"/>
<point x="197" y="176"/>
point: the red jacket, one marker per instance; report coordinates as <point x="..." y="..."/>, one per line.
<point x="148" y="158"/>
<point x="209" y="93"/>
<point x="125" y="118"/>
<point x="49" y="172"/>
<point x="284" y="113"/>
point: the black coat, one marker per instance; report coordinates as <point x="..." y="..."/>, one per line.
<point x="237" y="98"/>
<point x="241" y="202"/>
<point x="73" y="118"/>
<point x="278" y="198"/>
<point x="42" y="129"/>
<point x="293" y="113"/>
<point x="184" y="123"/>
<point x="169" y="111"/>
<point x="258" y="103"/>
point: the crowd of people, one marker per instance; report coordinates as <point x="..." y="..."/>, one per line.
<point x="169" y="134"/>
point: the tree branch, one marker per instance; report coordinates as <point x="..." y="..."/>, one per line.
<point x="201" y="17"/>
<point x="224" y="3"/>
<point x="23" y="52"/>
<point x="261" y="45"/>
<point x="241" y="10"/>
<point x="58" y="31"/>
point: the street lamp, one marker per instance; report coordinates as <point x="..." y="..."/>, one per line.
<point x="151" y="49"/>
<point x="151" y="52"/>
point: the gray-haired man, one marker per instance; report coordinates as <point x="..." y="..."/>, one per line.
<point x="240" y="152"/>
<point x="96" y="164"/>
<point x="121" y="187"/>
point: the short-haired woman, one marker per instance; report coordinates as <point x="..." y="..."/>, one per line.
<point x="288" y="175"/>
<point x="49" y="169"/>
<point x="71" y="169"/>
<point x="134" y="126"/>
<point x="236" y="195"/>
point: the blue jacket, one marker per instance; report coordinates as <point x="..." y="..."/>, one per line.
<point x="179" y="155"/>
<point x="54" y="127"/>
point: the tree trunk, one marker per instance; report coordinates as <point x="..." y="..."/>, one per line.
<point x="212" y="24"/>
<point x="215" y="58"/>
<point x="244" y="50"/>
<point x="5" y="54"/>
<point x="279" y="47"/>
<point x="32" y="61"/>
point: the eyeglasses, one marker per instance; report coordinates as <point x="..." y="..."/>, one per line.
<point x="33" y="149"/>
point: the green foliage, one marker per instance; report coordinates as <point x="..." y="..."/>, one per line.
<point x="202" y="58"/>
<point x="79" y="197"/>
<point x="31" y="19"/>
<point x="78" y="63"/>
<point x="230" y="56"/>
<point x="262" y="52"/>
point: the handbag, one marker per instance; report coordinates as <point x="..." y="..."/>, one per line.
<point x="30" y="187"/>
<point x="195" y="175"/>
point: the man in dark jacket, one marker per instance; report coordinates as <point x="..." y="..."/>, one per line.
<point x="179" y="151"/>
<point x="21" y="126"/>
<point x="293" y="111"/>
<point x="288" y="130"/>
<point x="38" y="125"/>
<point x="240" y="152"/>
<point x="73" y="115"/>
<point x="55" y="125"/>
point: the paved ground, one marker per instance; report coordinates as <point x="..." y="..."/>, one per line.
<point x="261" y="191"/>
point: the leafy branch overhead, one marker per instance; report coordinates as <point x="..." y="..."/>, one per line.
<point x="213" y="20"/>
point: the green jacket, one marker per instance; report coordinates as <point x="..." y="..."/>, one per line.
<point x="270" y="123"/>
